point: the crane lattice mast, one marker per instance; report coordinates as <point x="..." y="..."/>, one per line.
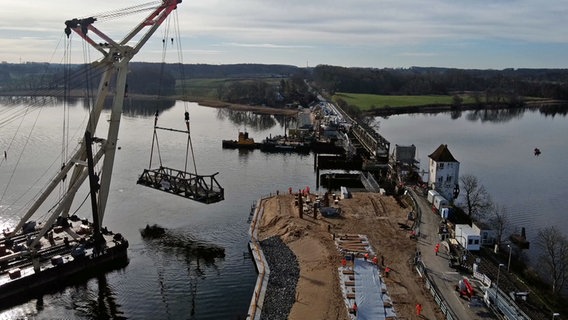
<point x="116" y="56"/>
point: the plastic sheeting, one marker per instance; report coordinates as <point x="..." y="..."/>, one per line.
<point x="369" y="287"/>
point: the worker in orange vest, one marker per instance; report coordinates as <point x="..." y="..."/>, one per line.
<point x="343" y="262"/>
<point x="437" y="248"/>
<point x="387" y="270"/>
<point x="418" y="309"/>
<point x="355" y="308"/>
<point x="375" y="260"/>
<point x="366" y="256"/>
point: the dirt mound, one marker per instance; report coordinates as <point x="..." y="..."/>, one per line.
<point x="376" y="216"/>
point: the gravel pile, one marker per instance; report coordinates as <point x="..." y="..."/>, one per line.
<point x="284" y="274"/>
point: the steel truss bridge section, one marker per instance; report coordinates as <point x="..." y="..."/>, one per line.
<point x="201" y="188"/>
<point x="372" y="141"/>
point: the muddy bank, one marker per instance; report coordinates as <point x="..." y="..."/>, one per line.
<point x="243" y="107"/>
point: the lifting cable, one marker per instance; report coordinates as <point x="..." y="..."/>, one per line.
<point x="189" y="144"/>
<point x="202" y="188"/>
<point x="155" y="141"/>
<point x="117" y="13"/>
<point x="66" y="96"/>
<point x="184" y="93"/>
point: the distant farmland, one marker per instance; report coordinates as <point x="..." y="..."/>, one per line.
<point x="367" y="102"/>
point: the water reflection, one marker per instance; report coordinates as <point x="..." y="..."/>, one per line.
<point x="182" y="244"/>
<point x="255" y="121"/>
<point x="39" y="101"/>
<point x="553" y="110"/>
<point x="197" y="255"/>
<point x="104" y="306"/>
<point x="501" y="115"/>
<point x="495" y="115"/>
<point x="92" y="299"/>
<point x="132" y="107"/>
<point x="508" y="114"/>
<point x="145" y="107"/>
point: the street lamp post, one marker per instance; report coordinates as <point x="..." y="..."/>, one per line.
<point x="509" y="263"/>
<point x="554" y="315"/>
<point x="497" y="285"/>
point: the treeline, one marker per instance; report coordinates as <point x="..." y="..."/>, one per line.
<point x="289" y="91"/>
<point x="507" y="83"/>
<point x="500" y="86"/>
<point x="270" y="85"/>
<point x="38" y="77"/>
<point x="243" y="70"/>
<point x="144" y="78"/>
<point x="30" y="76"/>
<point x="261" y="90"/>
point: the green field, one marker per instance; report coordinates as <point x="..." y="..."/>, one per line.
<point x="367" y="102"/>
<point x="208" y="89"/>
<point x="202" y="88"/>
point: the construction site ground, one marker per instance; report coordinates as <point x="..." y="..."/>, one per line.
<point x="381" y="219"/>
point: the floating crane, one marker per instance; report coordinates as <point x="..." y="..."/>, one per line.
<point x="35" y="256"/>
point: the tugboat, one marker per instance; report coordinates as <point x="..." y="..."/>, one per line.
<point x="35" y="256"/>
<point x="243" y="142"/>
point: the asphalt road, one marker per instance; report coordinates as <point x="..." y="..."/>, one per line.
<point x="445" y="277"/>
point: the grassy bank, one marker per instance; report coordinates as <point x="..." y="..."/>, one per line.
<point x="200" y="88"/>
<point x="367" y="102"/>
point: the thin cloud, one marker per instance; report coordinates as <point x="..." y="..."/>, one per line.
<point x="264" y="45"/>
<point x="377" y="28"/>
<point x="419" y="54"/>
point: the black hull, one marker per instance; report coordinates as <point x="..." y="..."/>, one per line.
<point x="325" y="162"/>
<point x="233" y="144"/>
<point x="336" y="180"/>
<point x="58" y="277"/>
<point x="327" y="148"/>
<point x="282" y="148"/>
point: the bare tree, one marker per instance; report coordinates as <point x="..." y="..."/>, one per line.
<point x="554" y="256"/>
<point x="477" y="200"/>
<point x="499" y="219"/>
<point x="477" y="98"/>
<point x="221" y="91"/>
<point x="457" y="100"/>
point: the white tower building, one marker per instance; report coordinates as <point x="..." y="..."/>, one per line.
<point x="444" y="172"/>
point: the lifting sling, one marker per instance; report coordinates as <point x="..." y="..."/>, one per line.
<point x="201" y="188"/>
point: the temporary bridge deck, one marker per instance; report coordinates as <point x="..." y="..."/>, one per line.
<point x="201" y="188"/>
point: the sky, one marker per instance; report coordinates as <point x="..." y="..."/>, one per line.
<point x="467" y="34"/>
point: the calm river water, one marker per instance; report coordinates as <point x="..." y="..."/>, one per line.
<point x="497" y="147"/>
<point x="161" y="282"/>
